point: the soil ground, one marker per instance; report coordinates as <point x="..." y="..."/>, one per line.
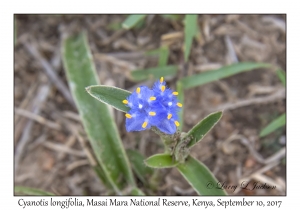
<point x="49" y="157"/>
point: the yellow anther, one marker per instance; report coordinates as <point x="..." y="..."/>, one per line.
<point x="145" y="124"/>
<point x="179" y="104"/>
<point x="161" y="80"/>
<point x="128" y="116"/>
<point x="125" y="102"/>
<point x="169" y="116"/>
<point x="138" y="90"/>
<point x="152" y="113"/>
<point x="163" y="88"/>
<point x="175" y="93"/>
<point x="177" y="123"/>
<point x="152" y="98"/>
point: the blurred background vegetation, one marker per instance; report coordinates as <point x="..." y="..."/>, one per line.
<point x="192" y="52"/>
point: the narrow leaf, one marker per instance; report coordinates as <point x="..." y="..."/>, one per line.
<point x="281" y="75"/>
<point x="132" y="20"/>
<point x="163" y="56"/>
<point x="197" y="133"/>
<point x="210" y="76"/>
<point x="109" y="95"/>
<point x="190" y="31"/>
<point x="137" y="162"/>
<point x="277" y="123"/>
<point x="200" y="177"/>
<point x="171" y="16"/>
<point x="161" y="161"/>
<point x="96" y="118"/>
<point x="153" y="73"/>
<point x="180" y="98"/>
<point x="30" y="191"/>
<point x="137" y="191"/>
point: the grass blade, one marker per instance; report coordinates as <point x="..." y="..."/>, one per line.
<point x="199" y="177"/>
<point x="30" y="191"/>
<point x="277" y="123"/>
<point x="281" y="75"/>
<point x="132" y="20"/>
<point x="180" y="98"/>
<point x="153" y="73"/>
<point x="197" y="133"/>
<point x="161" y="161"/>
<point x="110" y="95"/>
<point x="138" y="165"/>
<point x="210" y="76"/>
<point x="190" y="31"/>
<point x="172" y="16"/>
<point x="137" y="191"/>
<point x="97" y="121"/>
<point x="163" y="56"/>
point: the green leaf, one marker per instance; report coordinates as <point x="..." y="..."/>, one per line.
<point x="277" y="123"/>
<point x="153" y="73"/>
<point x="110" y="95"/>
<point x="161" y="161"/>
<point x="202" y="128"/>
<point x="281" y="75"/>
<point x="132" y="20"/>
<point x="137" y="191"/>
<point x="190" y="31"/>
<point x="114" y="26"/>
<point x="30" y="191"/>
<point x="162" y="53"/>
<point x="200" y="177"/>
<point x="180" y="98"/>
<point x="98" y="123"/>
<point x="163" y="56"/>
<point x="210" y="76"/>
<point x="137" y="162"/>
<point x="171" y="16"/>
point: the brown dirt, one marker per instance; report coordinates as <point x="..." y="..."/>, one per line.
<point x="259" y="38"/>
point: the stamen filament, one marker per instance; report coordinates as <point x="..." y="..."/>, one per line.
<point x="179" y="104"/>
<point x="125" y="102"/>
<point x="177" y="123"/>
<point x="152" y="113"/>
<point x="175" y="93"/>
<point x="145" y="124"/>
<point x="128" y="115"/>
<point x="169" y="116"/>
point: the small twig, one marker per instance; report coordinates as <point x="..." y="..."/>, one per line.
<point x="115" y="61"/>
<point x="77" y="164"/>
<point x="82" y="142"/>
<point x="230" y="49"/>
<point x="70" y="142"/>
<point x="63" y="148"/>
<point x="41" y="97"/>
<point x="27" y="98"/>
<point x="278" y="95"/>
<point x="113" y="37"/>
<point x="37" y="118"/>
<point x="37" y="142"/>
<point x="72" y="116"/>
<point x="127" y="55"/>
<point x="50" y="73"/>
<point x="180" y="191"/>
<point x="227" y="148"/>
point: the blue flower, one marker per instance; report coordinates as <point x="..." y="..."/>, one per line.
<point x="157" y="107"/>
